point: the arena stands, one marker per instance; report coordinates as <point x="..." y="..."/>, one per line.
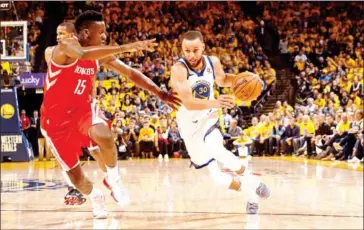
<point x="321" y="42"/>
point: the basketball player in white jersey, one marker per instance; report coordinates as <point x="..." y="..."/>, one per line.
<point x="193" y="78"/>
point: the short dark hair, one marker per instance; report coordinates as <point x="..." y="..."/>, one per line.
<point x="70" y="27"/>
<point x="86" y="18"/>
<point x="192" y="35"/>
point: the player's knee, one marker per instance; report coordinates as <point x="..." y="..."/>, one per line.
<point x="241" y="170"/>
<point x="221" y="179"/>
<point x="101" y="134"/>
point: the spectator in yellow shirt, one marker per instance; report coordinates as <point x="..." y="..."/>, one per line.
<point x="253" y="131"/>
<point x="146" y="140"/>
<point x="320" y="102"/>
<point x="343" y="125"/>
<point x="262" y="142"/>
<point x="307" y="131"/>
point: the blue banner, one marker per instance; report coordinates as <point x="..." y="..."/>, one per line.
<point x="9" y="112"/>
<point x="14" y="144"/>
<point x="32" y="80"/>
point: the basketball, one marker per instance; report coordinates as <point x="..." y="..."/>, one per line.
<point x="247" y="86"/>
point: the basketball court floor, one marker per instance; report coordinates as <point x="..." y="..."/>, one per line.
<point x="306" y="194"/>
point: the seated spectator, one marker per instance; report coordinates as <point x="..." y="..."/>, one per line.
<point x="252" y="133"/>
<point x="261" y="143"/>
<point x="307" y="131"/>
<point x="113" y="87"/>
<point x="174" y="139"/>
<point x="232" y="134"/>
<point x="162" y="141"/>
<point x="131" y="138"/>
<point x="101" y="75"/>
<point x="146" y="140"/>
<point x="276" y="137"/>
<point x="358" y="150"/>
<point x="291" y="133"/>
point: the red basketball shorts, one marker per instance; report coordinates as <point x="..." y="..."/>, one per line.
<point x="66" y="135"/>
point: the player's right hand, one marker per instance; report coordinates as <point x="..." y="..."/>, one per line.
<point x="148" y="45"/>
<point x="69" y="40"/>
<point x="225" y="101"/>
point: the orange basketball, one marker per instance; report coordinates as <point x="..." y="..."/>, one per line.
<point x="247" y="86"/>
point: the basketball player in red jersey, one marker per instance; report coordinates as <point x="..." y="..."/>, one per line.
<point x="69" y="113"/>
<point x="86" y="122"/>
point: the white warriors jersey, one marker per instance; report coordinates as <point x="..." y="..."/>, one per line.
<point x="202" y="87"/>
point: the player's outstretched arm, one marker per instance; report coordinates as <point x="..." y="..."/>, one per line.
<point x="222" y="79"/>
<point x="72" y="48"/>
<point x="141" y="80"/>
<point x="91" y="52"/>
<point x="181" y="86"/>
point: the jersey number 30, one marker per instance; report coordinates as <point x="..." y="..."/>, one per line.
<point x="81" y="86"/>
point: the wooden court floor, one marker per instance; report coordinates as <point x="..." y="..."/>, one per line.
<point x="306" y="194"/>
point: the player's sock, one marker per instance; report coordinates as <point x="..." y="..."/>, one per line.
<point x="94" y="192"/>
<point x="112" y="174"/>
<point x="251" y="184"/>
<point x="98" y="202"/>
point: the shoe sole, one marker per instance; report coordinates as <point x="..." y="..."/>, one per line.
<point x="74" y="201"/>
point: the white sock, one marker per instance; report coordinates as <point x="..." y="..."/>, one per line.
<point x="112" y="173"/>
<point x="249" y="184"/>
<point x="67" y="179"/>
<point x="94" y="192"/>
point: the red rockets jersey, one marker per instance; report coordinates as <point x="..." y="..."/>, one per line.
<point x="68" y="87"/>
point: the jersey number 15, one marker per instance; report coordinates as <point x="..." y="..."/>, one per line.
<point x="81" y="86"/>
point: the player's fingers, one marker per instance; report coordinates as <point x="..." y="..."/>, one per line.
<point x="173" y="106"/>
<point x="176" y="99"/>
<point x="228" y="104"/>
<point x="151" y="40"/>
<point x="227" y="100"/>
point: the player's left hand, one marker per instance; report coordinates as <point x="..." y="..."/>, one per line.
<point x="147" y="45"/>
<point x="171" y="98"/>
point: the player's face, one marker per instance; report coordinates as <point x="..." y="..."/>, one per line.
<point x="192" y="50"/>
<point x="94" y="35"/>
<point x="63" y="33"/>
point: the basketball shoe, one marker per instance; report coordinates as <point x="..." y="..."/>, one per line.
<point x="118" y="193"/>
<point x="263" y="191"/>
<point x="74" y="197"/>
<point x="98" y="206"/>
<point x="252" y="208"/>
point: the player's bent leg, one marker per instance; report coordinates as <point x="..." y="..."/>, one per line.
<point x="250" y="184"/>
<point x="223" y="179"/>
<point x="96" y="154"/>
<point x="101" y="134"/>
<point x="228" y="181"/>
<point x="85" y="186"/>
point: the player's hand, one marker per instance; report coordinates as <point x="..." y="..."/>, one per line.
<point x="70" y="41"/>
<point x="147" y="45"/>
<point x="73" y="40"/>
<point x="225" y="101"/>
<point x="171" y="98"/>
